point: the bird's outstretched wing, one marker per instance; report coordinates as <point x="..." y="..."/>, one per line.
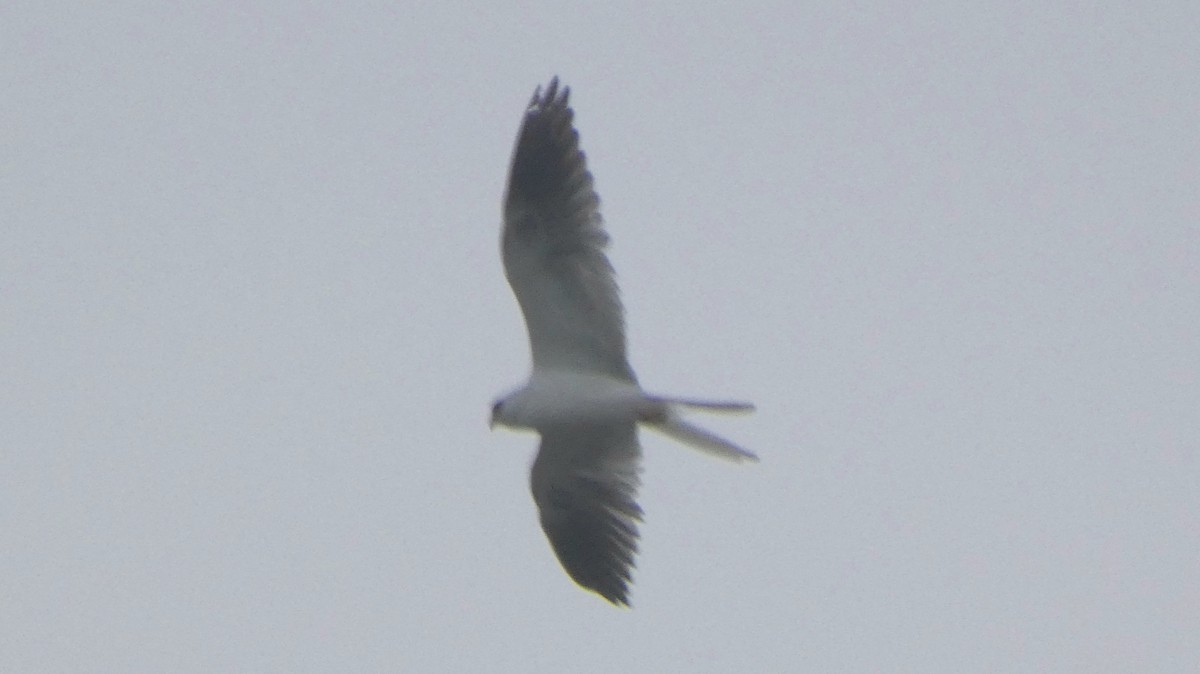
<point x="585" y="482"/>
<point x="553" y="246"/>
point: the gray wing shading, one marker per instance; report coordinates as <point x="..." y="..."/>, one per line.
<point x="585" y="482"/>
<point x="553" y="246"/>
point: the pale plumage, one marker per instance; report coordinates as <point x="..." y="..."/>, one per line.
<point x="582" y="396"/>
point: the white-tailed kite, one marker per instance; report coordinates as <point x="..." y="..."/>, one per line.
<point x="582" y="396"/>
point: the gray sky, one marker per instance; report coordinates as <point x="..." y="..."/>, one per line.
<point x="252" y="319"/>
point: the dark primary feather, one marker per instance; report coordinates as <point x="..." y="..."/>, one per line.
<point x="584" y="482"/>
<point x="553" y="246"/>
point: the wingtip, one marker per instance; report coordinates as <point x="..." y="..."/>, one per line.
<point x="618" y="597"/>
<point x="620" y="602"/>
<point x="552" y="94"/>
<point x="615" y="593"/>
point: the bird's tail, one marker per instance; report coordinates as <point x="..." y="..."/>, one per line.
<point x="711" y="405"/>
<point x="666" y="420"/>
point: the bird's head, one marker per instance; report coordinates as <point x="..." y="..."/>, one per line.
<point x="509" y="410"/>
<point x="497" y="414"/>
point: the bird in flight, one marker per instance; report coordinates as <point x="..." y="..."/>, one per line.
<point x="582" y="397"/>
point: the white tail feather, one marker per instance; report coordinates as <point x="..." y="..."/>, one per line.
<point x="700" y="439"/>
<point x="734" y="407"/>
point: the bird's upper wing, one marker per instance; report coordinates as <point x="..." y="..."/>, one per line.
<point x="585" y="481"/>
<point x="553" y="246"/>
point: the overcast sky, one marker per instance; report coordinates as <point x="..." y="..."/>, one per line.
<point x="252" y="319"/>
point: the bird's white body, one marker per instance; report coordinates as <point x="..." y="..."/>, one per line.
<point x="565" y="397"/>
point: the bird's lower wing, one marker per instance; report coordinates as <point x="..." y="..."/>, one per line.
<point x="584" y="482"/>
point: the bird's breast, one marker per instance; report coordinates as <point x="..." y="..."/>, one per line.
<point x="564" y="398"/>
